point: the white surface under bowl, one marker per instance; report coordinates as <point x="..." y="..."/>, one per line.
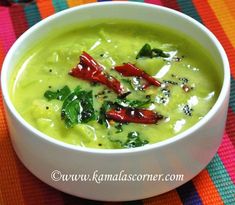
<point x="187" y="153"/>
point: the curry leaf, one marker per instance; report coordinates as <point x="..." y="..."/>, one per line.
<point x="78" y="108"/>
<point x="119" y="128"/>
<point x="156" y="52"/>
<point x="59" y="94"/>
<point x="147" y="51"/>
<point x="133" y="140"/>
<point x="132" y="103"/>
<point x="102" y="114"/>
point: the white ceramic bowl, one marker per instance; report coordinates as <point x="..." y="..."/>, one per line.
<point x="187" y="153"/>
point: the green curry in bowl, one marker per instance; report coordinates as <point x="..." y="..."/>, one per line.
<point x="114" y="85"/>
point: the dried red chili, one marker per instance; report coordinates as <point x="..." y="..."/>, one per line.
<point x="129" y="69"/>
<point x="88" y="69"/>
<point x="125" y="115"/>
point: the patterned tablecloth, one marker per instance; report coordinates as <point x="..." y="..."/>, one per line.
<point x="214" y="185"/>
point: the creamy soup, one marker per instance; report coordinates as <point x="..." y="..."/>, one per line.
<point x="114" y="85"/>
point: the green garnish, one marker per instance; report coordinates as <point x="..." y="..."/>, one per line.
<point x="132" y="103"/>
<point x="59" y="94"/>
<point x="147" y="51"/>
<point x="119" y="128"/>
<point x="156" y="52"/>
<point x="127" y="83"/>
<point x="134" y="140"/>
<point x="78" y="107"/>
<point x="102" y="117"/>
<point x="134" y="83"/>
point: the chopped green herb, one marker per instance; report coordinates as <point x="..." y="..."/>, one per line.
<point x="132" y="103"/>
<point x="78" y="107"/>
<point x="128" y="81"/>
<point x="102" y="114"/>
<point x="117" y="141"/>
<point x="59" y="94"/>
<point x="133" y="140"/>
<point x="134" y="83"/>
<point x="119" y="128"/>
<point x="147" y="51"/>
<point x="156" y="52"/>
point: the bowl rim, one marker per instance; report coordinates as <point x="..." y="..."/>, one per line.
<point x="221" y="98"/>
